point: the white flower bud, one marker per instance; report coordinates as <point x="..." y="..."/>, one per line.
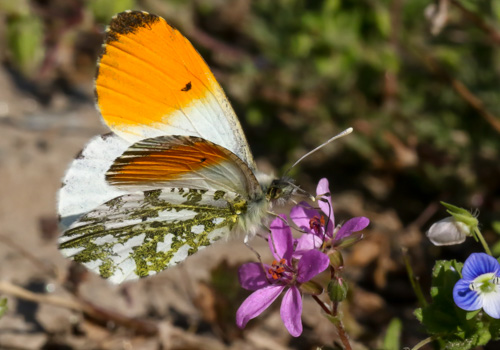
<point x="448" y="231"/>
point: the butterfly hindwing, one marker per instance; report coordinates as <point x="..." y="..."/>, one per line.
<point x="140" y="234"/>
<point x="151" y="81"/>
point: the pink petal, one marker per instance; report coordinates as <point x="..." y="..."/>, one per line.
<point x="312" y="263"/>
<point x="252" y="276"/>
<point x="291" y="311"/>
<point x="352" y="225"/>
<point x="323" y="190"/>
<point x="306" y="242"/>
<point x="323" y="187"/>
<point x="256" y="303"/>
<point x="302" y="214"/>
<point x="280" y="239"/>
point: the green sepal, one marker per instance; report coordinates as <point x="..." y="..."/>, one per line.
<point x="311" y="288"/>
<point x="349" y="241"/>
<point x="461" y="215"/>
<point x="336" y="259"/>
<point x="452" y="209"/>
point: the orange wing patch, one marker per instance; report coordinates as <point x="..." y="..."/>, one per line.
<point x="148" y="70"/>
<point x="165" y="162"/>
<point x="179" y="161"/>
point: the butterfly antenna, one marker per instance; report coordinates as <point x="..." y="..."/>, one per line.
<point x="342" y="134"/>
<point x="302" y="191"/>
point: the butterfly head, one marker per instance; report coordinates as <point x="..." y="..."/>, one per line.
<point x="281" y="190"/>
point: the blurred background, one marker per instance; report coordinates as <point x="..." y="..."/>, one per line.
<point x="417" y="80"/>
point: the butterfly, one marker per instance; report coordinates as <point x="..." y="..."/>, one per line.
<point x="175" y="175"/>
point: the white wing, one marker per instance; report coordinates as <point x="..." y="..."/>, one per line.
<point x="84" y="186"/>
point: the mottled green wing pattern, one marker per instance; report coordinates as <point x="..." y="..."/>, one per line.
<point x="140" y="234"/>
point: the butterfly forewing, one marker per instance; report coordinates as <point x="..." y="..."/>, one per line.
<point x="178" y="161"/>
<point x="140" y="234"/>
<point x="84" y="186"/>
<point x="151" y="82"/>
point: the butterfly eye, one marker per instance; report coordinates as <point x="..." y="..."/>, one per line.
<point x="273" y="192"/>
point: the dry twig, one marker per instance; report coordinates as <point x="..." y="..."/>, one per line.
<point x="95" y="312"/>
<point x="478" y="21"/>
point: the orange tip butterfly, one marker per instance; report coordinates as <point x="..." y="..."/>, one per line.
<point x="176" y="173"/>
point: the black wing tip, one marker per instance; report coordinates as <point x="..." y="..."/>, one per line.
<point x="128" y="22"/>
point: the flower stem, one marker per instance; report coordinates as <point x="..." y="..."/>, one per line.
<point x="413" y="279"/>
<point x="424" y="342"/>
<point x="333" y="317"/>
<point x="322" y="304"/>
<point x="343" y="336"/>
<point x="483" y="242"/>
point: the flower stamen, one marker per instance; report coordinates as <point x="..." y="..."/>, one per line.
<point x="277" y="269"/>
<point x="316" y="223"/>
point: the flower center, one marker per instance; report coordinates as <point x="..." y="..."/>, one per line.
<point x="485" y="283"/>
<point x="277" y="269"/>
<point x="316" y="223"/>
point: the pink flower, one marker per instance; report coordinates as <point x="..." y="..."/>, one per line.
<point x="286" y="272"/>
<point x="320" y="226"/>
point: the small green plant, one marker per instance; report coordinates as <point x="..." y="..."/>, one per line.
<point x="464" y="311"/>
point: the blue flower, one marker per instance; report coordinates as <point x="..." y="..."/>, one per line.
<point x="480" y="285"/>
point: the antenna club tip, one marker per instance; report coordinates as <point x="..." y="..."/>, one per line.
<point x="349" y="130"/>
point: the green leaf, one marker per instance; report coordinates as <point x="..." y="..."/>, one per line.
<point x="393" y="335"/>
<point x="495" y="329"/>
<point x="496" y="226"/>
<point x="104" y="9"/>
<point x="471" y="314"/>
<point x="495" y="250"/>
<point x="418" y="314"/>
<point x="25" y="42"/>
<point x="20" y="7"/>
<point x="3" y="306"/>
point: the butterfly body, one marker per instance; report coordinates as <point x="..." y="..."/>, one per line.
<point x="175" y="175"/>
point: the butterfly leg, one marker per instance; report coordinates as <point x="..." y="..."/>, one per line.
<point x="278" y="216"/>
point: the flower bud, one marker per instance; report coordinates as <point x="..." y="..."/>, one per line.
<point x="337" y="290"/>
<point x="448" y="231"/>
